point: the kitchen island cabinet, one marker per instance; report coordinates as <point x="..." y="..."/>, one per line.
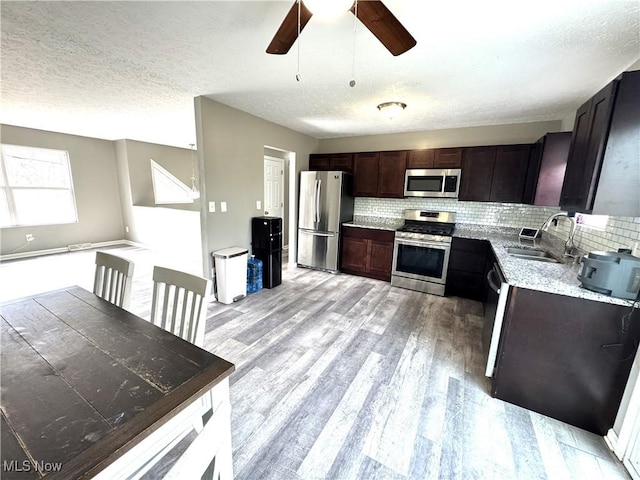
<point x="565" y="357"/>
<point x="367" y="252"/>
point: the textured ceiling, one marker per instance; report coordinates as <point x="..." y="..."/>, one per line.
<point x="131" y="69"/>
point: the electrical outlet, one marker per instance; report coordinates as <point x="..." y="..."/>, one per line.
<point x="30" y="237"/>
<point x="258" y="205"/>
<point x="223" y="206"/>
<point x="212" y="207"/>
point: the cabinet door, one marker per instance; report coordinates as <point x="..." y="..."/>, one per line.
<point x="354" y="255"/>
<point x="380" y="258"/>
<point x="510" y="173"/>
<point x="553" y="163"/>
<point x="342" y="162"/>
<point x="319" y="161"/>
<point x="421" y="158"/>
<point x="565" y="357"/>
<point x="448" y="158"/>
<point x="477" y="172"/>
<point x="365" y="174"/>
<point x="588" y="144"/>
<point x="392" y="166"/>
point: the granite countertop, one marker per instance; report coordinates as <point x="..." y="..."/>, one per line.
<point x="558" y="278"/>
<point x="377" y="223"/>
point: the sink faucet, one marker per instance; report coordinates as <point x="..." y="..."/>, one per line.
<point x="569" y="247"/>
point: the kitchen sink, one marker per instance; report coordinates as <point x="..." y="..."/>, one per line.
<point x="530" y="254"/>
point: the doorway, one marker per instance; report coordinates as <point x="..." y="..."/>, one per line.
<point x="289" y="185"/>
<point x="273" y="187"/>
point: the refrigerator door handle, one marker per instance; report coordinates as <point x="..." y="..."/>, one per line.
<point x="318" y="187"/>
<point x="317" y="234"/>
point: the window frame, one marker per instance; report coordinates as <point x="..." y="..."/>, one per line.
<point x="7" y="189"/>
<point x="156" y="167"/>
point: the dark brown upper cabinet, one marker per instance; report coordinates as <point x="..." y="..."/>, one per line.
<point x="477" y="173"/>
<point x="448" y="158"/>
<point x="510" y="173"/>
<point x="365" y="174"/>
<point x="420" y="158"/>
<point x="546" y="169"/>
<point x="603" y="171"/>
<point x="392" y="166"/>
<point x="331" y="161"/>
<point x="494" y="174"/>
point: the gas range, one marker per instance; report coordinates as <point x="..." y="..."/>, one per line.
<point x="421" y="251"/>
<point x="427" y="226"/>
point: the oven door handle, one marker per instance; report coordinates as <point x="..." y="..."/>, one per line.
<point x="417" y="243"/>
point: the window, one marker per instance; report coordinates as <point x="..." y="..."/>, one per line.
<point x="596" y="222"/>
<point x="167" y="188"/>
<point x="36" y="187"/>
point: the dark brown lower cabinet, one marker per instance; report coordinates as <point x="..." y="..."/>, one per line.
<point x="367" y="252"/>
<point x="467" y="265"/>
<point x="566" y="357"/>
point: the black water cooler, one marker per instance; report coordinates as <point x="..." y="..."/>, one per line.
<point x="266" y="245"/>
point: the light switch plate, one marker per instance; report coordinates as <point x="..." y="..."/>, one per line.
<point x="212" y="207"/>
<point x="258" y="205"/>
<point x="223" y="206"/>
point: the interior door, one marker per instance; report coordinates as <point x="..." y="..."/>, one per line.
<point x="273" y="187"/>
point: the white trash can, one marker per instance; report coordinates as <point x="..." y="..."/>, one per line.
<point x="231" y="274"/>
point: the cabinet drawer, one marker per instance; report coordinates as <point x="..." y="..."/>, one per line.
<point x="470" y="245"/>
<point x="368" y="233"/>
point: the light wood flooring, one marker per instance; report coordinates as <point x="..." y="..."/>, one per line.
<point x="342" y="377"/>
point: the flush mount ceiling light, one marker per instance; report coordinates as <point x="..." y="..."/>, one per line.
<point x="328" y="8"/>
<point x="392" y="109"/>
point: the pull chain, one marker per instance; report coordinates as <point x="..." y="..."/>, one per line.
<point x="352" y="82"/>
<point x="298" y="42"/>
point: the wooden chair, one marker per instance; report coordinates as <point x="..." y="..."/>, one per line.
<point x="177" y="303"/>
<point x="113" y="279"/>
<point x="178" y="306"/>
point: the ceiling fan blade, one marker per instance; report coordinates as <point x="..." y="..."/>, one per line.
<point x="384" y="26"/>
<point x="287" y="34"/>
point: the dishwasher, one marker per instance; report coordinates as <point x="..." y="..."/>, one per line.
<point x="498" y="291"/>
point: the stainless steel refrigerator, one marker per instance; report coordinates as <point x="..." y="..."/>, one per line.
<point x="326" y="201"/>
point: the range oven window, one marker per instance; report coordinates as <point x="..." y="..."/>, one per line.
<point x="425" y="183"/>
<point x="420" y="260"/>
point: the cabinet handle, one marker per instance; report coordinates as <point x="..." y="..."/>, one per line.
<point x="491" y="282"/>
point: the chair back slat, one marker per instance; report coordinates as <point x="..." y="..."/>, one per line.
<point x="173" y="307"/>
<point x="112" y="279"/>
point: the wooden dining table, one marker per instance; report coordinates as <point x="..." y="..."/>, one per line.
<point x="86" y="387"/>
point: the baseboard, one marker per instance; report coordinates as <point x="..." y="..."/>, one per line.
<point x="611" y="439"/>
<point x="52" y="251"/>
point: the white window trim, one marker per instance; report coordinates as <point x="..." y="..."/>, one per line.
<point x="155" y="166"/>
<point x="8" y="190"/>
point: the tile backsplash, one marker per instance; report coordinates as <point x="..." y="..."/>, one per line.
<point x="620" y="232"/>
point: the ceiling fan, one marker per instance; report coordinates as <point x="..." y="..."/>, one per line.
<point x="372" y="13"/>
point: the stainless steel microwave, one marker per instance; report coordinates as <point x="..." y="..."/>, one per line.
<point x="432" y="182"/>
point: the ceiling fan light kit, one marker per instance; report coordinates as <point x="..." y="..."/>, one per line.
<point x="392" y="109"/>
<point x="328" y="8"/>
